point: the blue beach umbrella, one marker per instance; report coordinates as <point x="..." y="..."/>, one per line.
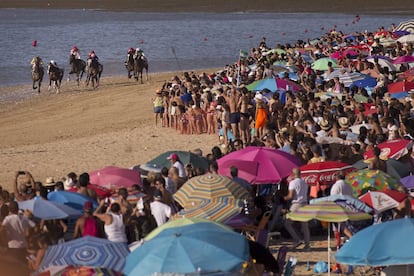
<point x="366" y="82"/>
<point x="86" y="251"/>
<point x="385" y="244"/>
<point x="71" y="199"/>
<point x="193" y="248"/>
<point x="45" y="209"/>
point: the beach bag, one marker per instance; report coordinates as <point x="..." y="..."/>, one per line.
<point x="320" y="267"/>
<point x="90" y="228"/>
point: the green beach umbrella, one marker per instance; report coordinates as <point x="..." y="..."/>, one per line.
<point x="322" y="64"/>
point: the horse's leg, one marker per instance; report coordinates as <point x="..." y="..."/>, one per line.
<point x="141" y="76"/>
<point x="146" y="72"/>
<point x="50" y="84"/>
<point x="38" y="88"/>
<point x="34" y="83"/>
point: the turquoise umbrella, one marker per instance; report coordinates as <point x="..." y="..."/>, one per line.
<point x="203" y="247"/>
<point x="185" y="156"/>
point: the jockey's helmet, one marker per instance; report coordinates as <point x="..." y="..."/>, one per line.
<point x="75" y="48"/>
<point x="131" y="50"/>
<point x="138" y="50"/>
<point x="53" y="63"/>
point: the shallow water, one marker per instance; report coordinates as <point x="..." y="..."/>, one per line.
<point x="176" y="41"/>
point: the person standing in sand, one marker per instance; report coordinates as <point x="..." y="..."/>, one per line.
<point x="232" y="100"/>
<point x="158" y="103"/>
<point x="243" y="103"/>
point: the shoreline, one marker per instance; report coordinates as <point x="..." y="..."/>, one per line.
<point x="259" y="6"/>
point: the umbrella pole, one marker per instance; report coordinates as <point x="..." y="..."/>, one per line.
<point x="329" y="248"/>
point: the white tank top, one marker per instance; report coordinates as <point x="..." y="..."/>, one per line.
<point x="116" y="230"/>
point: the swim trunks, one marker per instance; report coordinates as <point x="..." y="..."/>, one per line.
<point x="235" y="118"/>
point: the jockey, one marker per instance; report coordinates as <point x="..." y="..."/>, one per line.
<point x="139" y="52"/>
<point x="75" y="52"/>
<point x="93" y="56"/>
<point x="36" y="58"/>
<point x="52" y="66"/>
<point x="130" y="53"/>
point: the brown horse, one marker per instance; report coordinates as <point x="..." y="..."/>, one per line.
<point x="94" y="71"/>
<point x="55" y="76"/>
<point x="140" y="64"/>
<point x="37" y="73"/>
<point x="77" y="67"/>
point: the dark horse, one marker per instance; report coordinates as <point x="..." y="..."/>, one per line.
<point x="94" y="71"/>
<point x="55" y="76"/>
<point x="37" y="73"/>
<point x="129" y="64"/>
<point x="77" y="67"/>
<point x="140" y="64"/>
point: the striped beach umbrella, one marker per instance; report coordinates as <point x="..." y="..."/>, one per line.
<point x="406" y="26"/>
<point x="219" y="210"/>
<point x="329" y="211"/>
<point x="207" y="187"/>
<point x="86" y="251"/>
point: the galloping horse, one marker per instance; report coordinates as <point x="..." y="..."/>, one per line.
<point x="129" y="64"/>
<point x="37" y="73"/>
<point x="94" y="71"/>
<point x="140" y="64"/>
<point x="55" y="76"/>
<point x="78" y="67"/>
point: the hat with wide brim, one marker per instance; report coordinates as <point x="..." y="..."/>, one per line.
<point x="49" y="182"/>
<point x="324" y="124"/>
<point x="343" y="122"/>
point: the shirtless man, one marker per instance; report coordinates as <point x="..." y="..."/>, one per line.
<point x="232" y="100"/>
<point x="243" y="104"/>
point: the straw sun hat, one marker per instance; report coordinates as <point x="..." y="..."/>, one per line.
<point x="324" y="124"/>
<point x="343" y="122"/>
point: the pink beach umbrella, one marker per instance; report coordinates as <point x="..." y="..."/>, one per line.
<point x="259" y="165"/>
<point x="403" y="59"/>
<point x="115" y="177"/>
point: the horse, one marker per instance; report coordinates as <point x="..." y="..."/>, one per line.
<point x="94" y="71"/>
<point x="55" y="76"/>
<point x="140" y="64"/>
<point x="78" y="67"/>
<point x="37" y="73"/>
<point x="129" y="64"/>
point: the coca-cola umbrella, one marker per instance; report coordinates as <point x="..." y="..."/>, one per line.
<point x="323" y="173"/>
<point x="391" y="149"/>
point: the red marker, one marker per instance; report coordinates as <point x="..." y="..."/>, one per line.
<point x="205" y="39"/>
<point x="306" y="30"/>
<point x="283" y="33"/>
<point x="141" y="41"/>
<point x="34" y="43"/>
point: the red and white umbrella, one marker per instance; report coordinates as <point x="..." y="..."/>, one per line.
<point x="391" y="149"/>
<point x="323" y="173"/>
<point x="381" y="201"/>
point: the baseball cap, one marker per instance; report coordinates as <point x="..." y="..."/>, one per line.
<point x="87" y="206"/>
<point x="173" y="156"/>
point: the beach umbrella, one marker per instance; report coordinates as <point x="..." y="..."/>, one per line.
<point x="406" y="38"/>
<point x="384" y="62"/>
<point x="395" y="168"/>
<point x="186" y="157"/>
<point x="115" y="177"/>
<point x="323" y="173"/>
<point x="101" y="192"/>
<point x="400" y="33"/>
<point x="367" y="81"/>
<point x="322" y="64"/>
<point x="72" y="199"/>
<point x="202" y="247"/>
<point x="391" y="149"/>
<point x="385" y="244"/>
<point x="371" y="72"/>
<point x="46" y="209"/>
<point x="375" y="180"/>
<point x="259" y="165"/>
<point x="356" y="128"/>
<point x="344" y="201"/>
<point x="86" y="251"/>
<point x="132" y="197"/>
<point x="406" y="26"/>
<point x="207" y="187"/>
<point x="274" y="84"/>
<point x="403" y="59"/>
<point x="329" y="211"/>
<point x="291" y="75"/>
<point x="382" y="201"/>
<point x="220" y="210"/>
<point x="408" y="181"/>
